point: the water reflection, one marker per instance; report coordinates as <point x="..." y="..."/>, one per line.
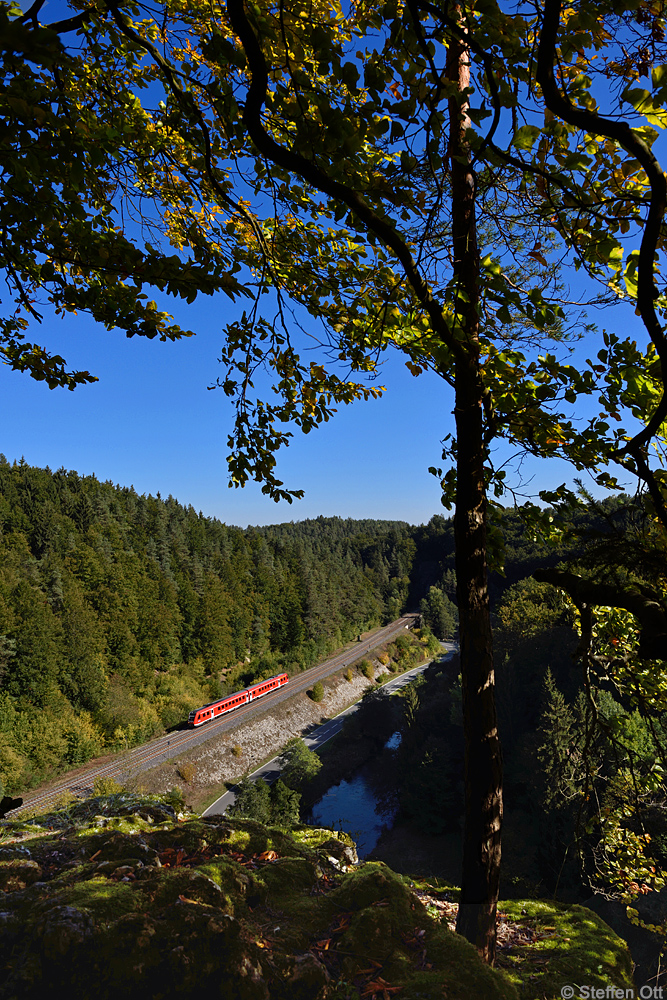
<point x="363" y="806"/>
<point x="352" y="807"/>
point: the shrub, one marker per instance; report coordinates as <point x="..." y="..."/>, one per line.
<point x="252" y="800"/>
<point x="237" y="751"/>
<point x="299" y="764"/>
<point x="63" y="801"/>
<point x="106" y="786"/>
<point x="366" y="668"/>
<point x="174" y="798"/>
<point x="382" y="678"/>
<point x="384" y="659"/>
<point x="284" y="805"/>
<point x="186" y="771"/>
<point x="277" y="805"/>
<point x="348" y="674"/>
<point x="317" y="692"/>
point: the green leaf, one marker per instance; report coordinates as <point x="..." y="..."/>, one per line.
<point x="526" y="136"/>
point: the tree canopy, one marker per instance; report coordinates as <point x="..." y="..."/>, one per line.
<point x="403" y="175"/>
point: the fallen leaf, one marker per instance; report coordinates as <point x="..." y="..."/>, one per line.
<point x="374" y="967"/>
<point x="380" y="986"/>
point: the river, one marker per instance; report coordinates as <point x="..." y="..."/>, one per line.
<point x="355" y="806"/>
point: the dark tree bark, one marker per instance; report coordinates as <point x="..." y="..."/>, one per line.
<point x="483" y="760"/>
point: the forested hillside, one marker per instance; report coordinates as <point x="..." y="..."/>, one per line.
<point x="120" y="612"/>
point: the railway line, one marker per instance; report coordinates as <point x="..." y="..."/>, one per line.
<point x="124" y="766"/>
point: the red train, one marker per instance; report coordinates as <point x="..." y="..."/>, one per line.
<point x="201" y="715"/>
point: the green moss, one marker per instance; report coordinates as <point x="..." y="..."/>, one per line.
<point x="190" y="837"/>
<point x="18" y="873"/>
<point x="372" y="884"/>
<point x="573" y="945"/>
<point x="312" y="836"/>
<point x="390" y="926"/>
<point x="105" y="901"/>
<point x="246" y="912"/>
<point x="289" y="876"/>
<point x="458" y="964"/>
<point x="116" y="846"/>
<point x="166" y="887"/>
<point x="232" y="883"/>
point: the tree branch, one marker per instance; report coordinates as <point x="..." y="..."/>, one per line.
<point x="649" y="612"/>
<point x="623" y="134"/>
<point x="295" y="163"/>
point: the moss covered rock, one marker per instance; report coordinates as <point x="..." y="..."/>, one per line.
<point x="565" y="944"/>
<point x="124" y="896"/>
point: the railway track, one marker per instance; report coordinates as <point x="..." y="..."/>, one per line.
<point x="124" y="766"/>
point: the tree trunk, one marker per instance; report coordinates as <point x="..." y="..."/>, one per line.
<point x="483" y="760"/>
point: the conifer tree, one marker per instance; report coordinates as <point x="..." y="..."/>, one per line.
<point x="559" y="752"/>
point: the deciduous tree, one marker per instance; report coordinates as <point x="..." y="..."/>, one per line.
<point x="356" y="200"/>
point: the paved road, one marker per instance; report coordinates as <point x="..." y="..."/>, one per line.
<point x="318" y="737"/>
<point x="121" y="767"/>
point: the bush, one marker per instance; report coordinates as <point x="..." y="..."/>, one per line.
<point x="237" y="751"/>
<point x="439" y="614"/>
<point x="276" y="805"/>
<point x="106" y="786"/>
<point x="317" y="692"/>
<point x="175" y="799"/>
<point x="298" y="763"/>
<point x="432" y="644"/>
<point x="348" y="674"/>
<point x="284" y="805"/>
<point x="366" y="668"/>
<point x="253" y="800"/>
<point x="186" y="771"/>
<point x="382" y="678"/>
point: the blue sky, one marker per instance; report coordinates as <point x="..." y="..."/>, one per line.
<point x="150" y="421"/>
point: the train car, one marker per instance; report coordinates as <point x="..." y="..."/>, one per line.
<point x="265" y="687"/>
<point x="217" y="708"/>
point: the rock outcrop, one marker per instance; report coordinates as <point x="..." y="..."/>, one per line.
<point x="128" y="896"/>
<point x="123" y="897"/>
